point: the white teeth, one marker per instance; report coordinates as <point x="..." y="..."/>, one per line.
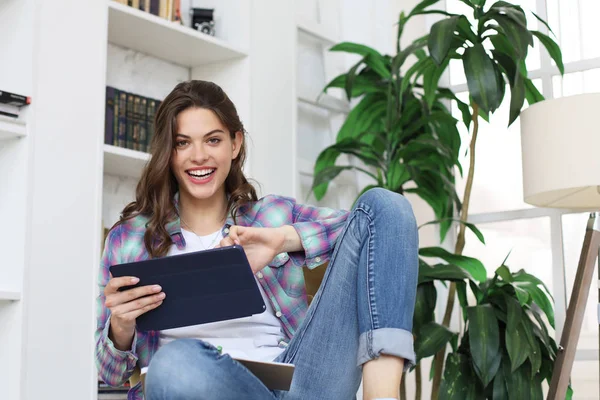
<point x="201" y="172"/>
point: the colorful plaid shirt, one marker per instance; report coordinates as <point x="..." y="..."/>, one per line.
<point x="282" y="280"/>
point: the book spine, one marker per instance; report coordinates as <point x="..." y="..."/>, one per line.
<point x="150" y="113"/>
<point x="122" y="136"/>
<point x="129" y="121"/>
<point x="177" y="11"/>
<point x="146" y="5"/>
<point x="163" y="8"/>
<point x="143" y="139"/>
<point x="155" y="7"/>
<point x="109" y="115"/>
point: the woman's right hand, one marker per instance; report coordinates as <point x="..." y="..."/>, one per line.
<point x="127" y="305"/>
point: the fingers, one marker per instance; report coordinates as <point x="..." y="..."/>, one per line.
<point x="116" y="298"/>
<point x="139" y="306"/>
<point x="227" y="241"/>
<point x="132" y="315"/>
<point x="234" y="234"/>
<point x="114" y="284"/>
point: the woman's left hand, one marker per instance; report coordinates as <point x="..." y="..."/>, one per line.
<point x="261" y="245"/>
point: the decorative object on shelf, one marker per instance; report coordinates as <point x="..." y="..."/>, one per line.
<point x="403" y="131"/>
<point x="129" y="119"/>
<point x="559" y="141"/>
<point x="203" y="20"/>
<point x="11" y="103"/>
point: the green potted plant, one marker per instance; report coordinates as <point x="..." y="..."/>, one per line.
<point x="405" y="135"/>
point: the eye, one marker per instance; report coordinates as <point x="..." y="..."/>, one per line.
<point x="214" y="140"/>
<point x="181" y="143"/>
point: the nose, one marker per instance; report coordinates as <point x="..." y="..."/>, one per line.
<point x="199" y="154"/>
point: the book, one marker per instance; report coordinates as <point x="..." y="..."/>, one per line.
<point x="129" y="119"/>
<point x="14" y="99"/>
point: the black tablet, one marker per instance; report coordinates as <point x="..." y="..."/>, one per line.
<point x="200" y="287"/>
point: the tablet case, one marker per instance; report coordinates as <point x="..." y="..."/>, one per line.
<point x="200" y="287"/>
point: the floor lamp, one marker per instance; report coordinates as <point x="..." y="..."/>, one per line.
<point x="560" y="139"/>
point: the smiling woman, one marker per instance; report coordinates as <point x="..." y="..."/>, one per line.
<point x="193" y="196"/>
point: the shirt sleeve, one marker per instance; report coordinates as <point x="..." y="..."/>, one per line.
<point x="114" y="366"/>
<point x="319" y="229"/>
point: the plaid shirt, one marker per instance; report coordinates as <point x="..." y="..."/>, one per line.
<point x="282" y="280"/>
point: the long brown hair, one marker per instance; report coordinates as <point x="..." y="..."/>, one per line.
<point x="154" y="197"/>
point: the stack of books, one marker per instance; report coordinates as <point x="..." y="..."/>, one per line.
<point x="11" y="103"/>
<point x="129" y="119"/>
<point x="167" y="9"/>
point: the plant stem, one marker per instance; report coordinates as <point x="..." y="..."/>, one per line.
<point x="418" y="382"/>
<point x="458" y="249"/>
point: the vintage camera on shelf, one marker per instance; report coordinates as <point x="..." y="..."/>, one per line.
<point x="203" y="20"/>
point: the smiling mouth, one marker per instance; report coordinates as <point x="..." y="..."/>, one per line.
<point x="201" y="173"/>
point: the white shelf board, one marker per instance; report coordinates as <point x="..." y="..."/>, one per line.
<point x="10" y="295"/>
<point x="124" y="162"/>
<point x="11" y="128"/>
<point x="326" y="101"/>
<point x="316" y="30"/>
<point x="170" y="41"/>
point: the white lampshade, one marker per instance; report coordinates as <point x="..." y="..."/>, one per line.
<point x="560" y="143"/>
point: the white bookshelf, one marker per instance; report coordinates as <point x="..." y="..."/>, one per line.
<point x="11" y="128"/>
<point x="124" y="162"/>
<point x="167" y="40"/>
<point x="9" y="295"/>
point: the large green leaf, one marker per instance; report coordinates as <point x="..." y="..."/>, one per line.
<point x="432" y="338"/>
<point x="517" y="35"/>
<point x="431" y="80"/>
<point x="522" y="276"/>
<point x="532" y="94"/>
<point x="539" y="298"/>
<point x="361" y="85"/>
<point x="472" y="265"/>
<point x="440" y="38"/>
<point x="443" y="272"/>
<point x="328" y="174"/>
<point x="518" y="382"/>
<point x="515" y="337"/>
<point x="512" y="11"/>
<point x="459" y="382"/>
<point x="397" y="175"/>
<point x="517" y="98"/>
<point x="552" y="48"/>
<point x="461" y="293"/>
<point x="364" y="116"/>
<point x="422" y="6"/>
<point x="469" y="225"/>
<point x="500" y="392"/>
<point x="424" y="305"/>
<point x="371" y="57"/>
<point x="484" y="341"/>
<point x="482" y="79"/>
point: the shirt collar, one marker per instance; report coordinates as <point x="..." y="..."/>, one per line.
<point x="173" y="227"/>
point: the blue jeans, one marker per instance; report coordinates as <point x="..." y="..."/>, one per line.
<point x="363" y="308"/>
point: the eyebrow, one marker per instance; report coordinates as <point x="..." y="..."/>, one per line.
<point x="206" y="134"/>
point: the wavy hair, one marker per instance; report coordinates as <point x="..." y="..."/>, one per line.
<point x="157" y="186"/>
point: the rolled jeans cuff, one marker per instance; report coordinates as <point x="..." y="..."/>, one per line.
<point x="388" y="341"/>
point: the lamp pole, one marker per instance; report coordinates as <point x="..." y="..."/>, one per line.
<point x="576" y="310"/>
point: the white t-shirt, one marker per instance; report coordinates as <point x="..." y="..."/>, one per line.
<point x="256" y="337"/>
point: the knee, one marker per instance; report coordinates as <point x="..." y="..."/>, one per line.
<point x="177" y="367"/>
<point x="387" y="204"/>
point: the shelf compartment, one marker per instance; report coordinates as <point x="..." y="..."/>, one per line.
<point x="11" y="128"/>
<point x="167" y="40"/>
<point x="124" y="162"/>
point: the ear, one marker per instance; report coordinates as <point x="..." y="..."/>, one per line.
<point x="236" y="144"/>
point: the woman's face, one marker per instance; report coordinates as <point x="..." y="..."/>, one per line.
<point x="203" y="153"/>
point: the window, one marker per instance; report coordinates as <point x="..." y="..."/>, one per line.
<point x="545" y="242"/>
